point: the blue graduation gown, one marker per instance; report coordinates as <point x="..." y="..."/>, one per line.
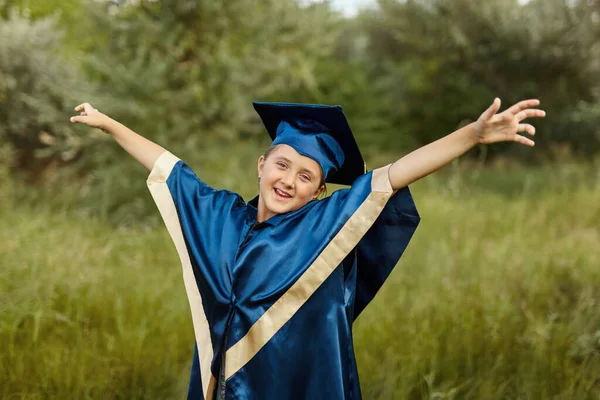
<point x="273" y="303"/>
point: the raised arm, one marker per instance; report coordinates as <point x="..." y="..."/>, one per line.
<point x="489" y="128"/>
<point x="140" y="148"/>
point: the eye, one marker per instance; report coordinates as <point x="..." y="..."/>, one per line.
<point x="305" y="177"/>
<point x="281" y="164"/>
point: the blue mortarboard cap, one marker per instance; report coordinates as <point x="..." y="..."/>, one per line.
<point x="317" y="131"/>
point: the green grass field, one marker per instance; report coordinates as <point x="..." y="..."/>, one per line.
<point x="497" y="297"/>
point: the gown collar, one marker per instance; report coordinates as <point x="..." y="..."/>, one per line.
<point x="253" y="211"/>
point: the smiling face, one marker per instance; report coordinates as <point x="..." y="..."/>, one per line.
<point x="288" y="180"/>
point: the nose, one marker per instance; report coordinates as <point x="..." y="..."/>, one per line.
<point x="288" y="180"/>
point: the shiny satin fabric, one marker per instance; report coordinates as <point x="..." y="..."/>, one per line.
<point x="285" y="292"/>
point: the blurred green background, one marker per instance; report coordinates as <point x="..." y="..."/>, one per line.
<point x="498" y="294"/>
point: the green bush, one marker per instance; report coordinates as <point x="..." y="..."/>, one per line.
<point x="446" y="60"/>
<point x="38" y="88"/>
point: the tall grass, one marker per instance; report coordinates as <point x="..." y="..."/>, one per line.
<point x="497" y="296"/>
<point x="89" y="312"/>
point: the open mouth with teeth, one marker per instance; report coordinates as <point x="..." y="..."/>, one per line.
<point x="281" y="195"/>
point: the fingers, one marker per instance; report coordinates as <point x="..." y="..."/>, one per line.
<point x="530" y="113"/>
<point x="526" y="128"/>
<point x="82" y="106"/>
<point x="85" y="106"/>
<point x="493" y="109"/>
<point x="88" y="115"/>
<point x="78" y="118"/>
<point x="524" y="140"/>
<point x="522" y="105"/>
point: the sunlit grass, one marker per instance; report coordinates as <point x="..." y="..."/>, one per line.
<point x="497" y="296"/>
<point x="493" y="299"/>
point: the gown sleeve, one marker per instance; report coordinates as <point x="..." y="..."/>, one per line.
<point x="190" y="195"/>
<point x="186" y="203"/>
<point x="200" y="219"/>
<point x="381" y="247"/>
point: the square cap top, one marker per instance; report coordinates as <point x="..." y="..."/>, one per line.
<point x="318" y="131"/>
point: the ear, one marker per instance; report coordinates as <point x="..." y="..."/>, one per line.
<point x="319" y="192"/>
<point x="261" y="164"/>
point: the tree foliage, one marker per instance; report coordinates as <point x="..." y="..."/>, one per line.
<point x="37" y="88"/>
<point x="450" y="58"/>
<point x="184" y="73"/>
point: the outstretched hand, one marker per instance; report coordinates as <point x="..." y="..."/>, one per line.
<point x="504" y="127"/>
<point x="90" y="116"/>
